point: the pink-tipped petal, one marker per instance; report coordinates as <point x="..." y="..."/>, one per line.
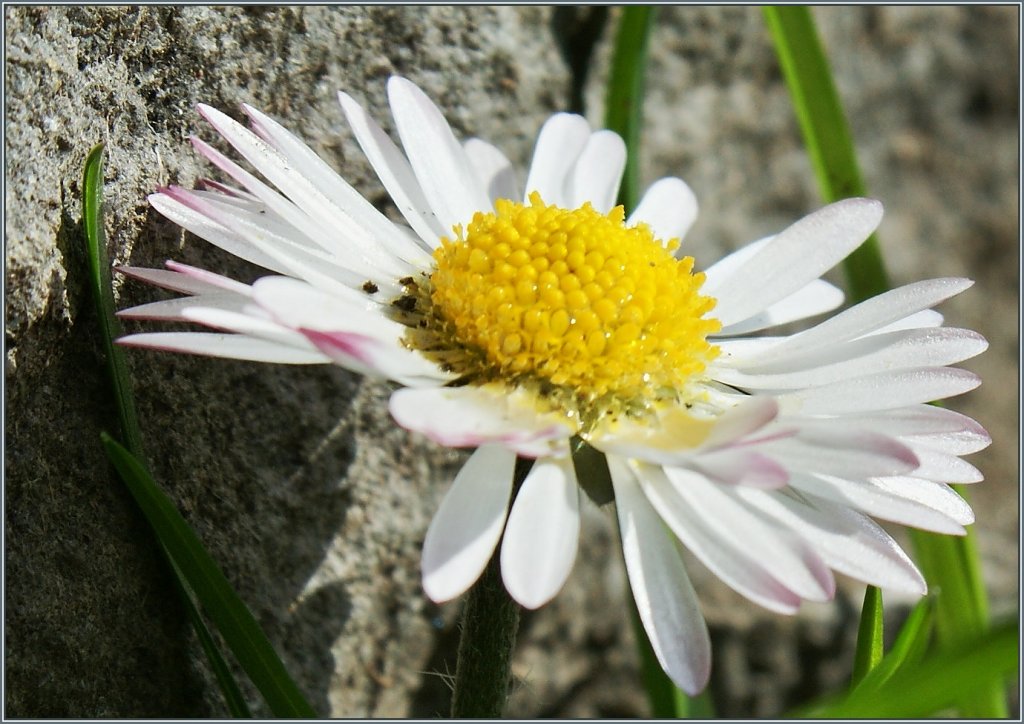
<point x="471" y="416"/>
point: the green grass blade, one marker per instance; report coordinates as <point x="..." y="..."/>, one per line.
<point x="99" y="273"/>
<point x="908" y="649"/>
<point x="624" y="99"/>
<point x="825" y="131"/>
<point x="225" y="679"/>
<point x="234" y="621"/>
<point x="950" y="565"/>
<point x="869" y="636"/>
<point x="937" y="684"/>
<point x="100" y="283"/>
<point x="624" y="115"/>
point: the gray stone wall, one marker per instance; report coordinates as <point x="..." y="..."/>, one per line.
<point x="309" y="497"/>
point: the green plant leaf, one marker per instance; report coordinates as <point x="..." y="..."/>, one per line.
<point x="231" y="617"/>
<point x="950" y="565"/>
<point x="869" y="636"/>
<point x="935" y="685"/>
<point x="624" y="99"/>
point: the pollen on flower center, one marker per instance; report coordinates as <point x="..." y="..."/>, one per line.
<point x="575" y="298"/>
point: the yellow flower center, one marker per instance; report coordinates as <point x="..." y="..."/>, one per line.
<point x="575" y="301"/>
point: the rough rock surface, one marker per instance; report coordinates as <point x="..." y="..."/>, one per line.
<point x="307" y="495"/>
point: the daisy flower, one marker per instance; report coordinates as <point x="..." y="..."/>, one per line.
<point x="535" y="320"/>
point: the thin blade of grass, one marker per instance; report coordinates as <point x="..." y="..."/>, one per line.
<point x="950" y="565"/>
<point x="624" y="115"/>
<point x="231" y="617"/>
<point x="225" y="679"/>
<point x="624" y="99"/>
<point x="99" y="272"/>
<point x="935" y="685"/>
<point x="825" y="131"/>
<point x="100" y="283"/>
<point x="908" y="649"/>
<point x="869" y="636"/>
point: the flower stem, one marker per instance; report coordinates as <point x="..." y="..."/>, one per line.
<point x="490" y="623"/>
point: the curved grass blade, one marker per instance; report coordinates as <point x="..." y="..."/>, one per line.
<point x="624" y="100"/>
<point x="100" y="282"/>
<point x="935" y="685"/>
<point x="908" y="649"/>
<point x="99" y="272"/>
<point x="869" y="636"/>
<point x="950" y="565"/>
<point x="234" y="621"/>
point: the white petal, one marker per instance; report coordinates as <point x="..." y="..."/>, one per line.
<point x="790" y="561"/>
<point x="864" y="356"/>
<point x="598" y="171"/>
<point x="943" y="468"/>
<point x="868" y="316"/>
<point x="731" y="564"/>
<point x="289" y="252"/>
<point x="851" y="453"/>
<point x="542" y="533"/>
<point x="394" y="172"/>
<point x="664" y="596"/>
<point x="247" y="321"/>
<point x="371" y="357"/>
<point x="678" y="434"/>
<point x="448" y="181"/>
<point x="929" y="426"/>
<point x="795" y="257"/>
<point x="741" y="467"/>
<point x="846" y="540"/>
<point x="722" y="269"/>
<point x="346" y="200"/>
<point x="559" y="144"/>
<point x="493" y="169"/>
<point x="221" y="237"/>
<point x="298" y="305"/>
<point x="470" y="416"/>
<point x="917" y="320"/>
<point x="669" y="207"/>
<point x="186" y="279"/>
<point x="867" y="498"/>
<point x="228" y="346"/>
<point x="937" y="496"/>
<point x="882" y="391"/>
<point x="466" y="528"/>
<point x="331" y="226"/>
<point x="817" y="297"/>
<point x="170" y="310"/>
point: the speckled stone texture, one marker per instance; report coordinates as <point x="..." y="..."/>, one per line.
<point x="304" y="491"/>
